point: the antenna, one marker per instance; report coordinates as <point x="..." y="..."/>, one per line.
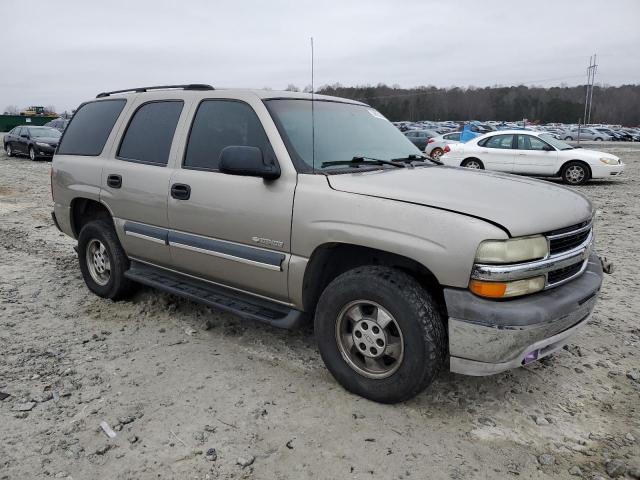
<point x="313" y="123"/>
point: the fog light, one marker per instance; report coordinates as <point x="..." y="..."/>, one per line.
<point x="530" y="357"/>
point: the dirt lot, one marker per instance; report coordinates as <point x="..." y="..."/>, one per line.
<point x="175" y="379"/>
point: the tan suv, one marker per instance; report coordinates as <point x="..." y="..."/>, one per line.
<point x="278" y="206"/>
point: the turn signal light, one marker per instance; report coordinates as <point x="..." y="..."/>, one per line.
<point x="488" y="289"/>
<point x="507" y="289"/>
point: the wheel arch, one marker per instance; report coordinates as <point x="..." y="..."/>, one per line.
<point x="330" y="260"/>
<point x="574" y="160"/>
<point x="471" y="158"/>
<point x="84" y="210"/>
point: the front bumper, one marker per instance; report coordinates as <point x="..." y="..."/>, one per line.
<point x="606" y="171"/>
<point x="488" y="336"/>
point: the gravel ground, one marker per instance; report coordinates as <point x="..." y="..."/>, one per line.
<point x="176" y="380"/>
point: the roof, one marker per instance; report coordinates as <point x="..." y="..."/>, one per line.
<point x="210" y="92"/>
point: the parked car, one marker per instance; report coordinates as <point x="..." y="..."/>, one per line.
<point x="420" y="137"/>
<point x="587" y="134"/>
<point x="36" y="142"/>
<point x="533" y="153"/>
<point x="221" y="196"/>
<point x="59" y="124"/>
<point x="435" y="146"/>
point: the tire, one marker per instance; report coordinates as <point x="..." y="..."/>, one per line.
<point x="9" y="150"/>
<point x="416" y="335"/>
<point x="598" y="139"/>
<point x="473" y="163"/>
<point x="98" y="237"/>
<point x="436" y="153"/>
<point x="32" y="154"/>
<point x="575" y="173"/>
<point x="568" y="138"/>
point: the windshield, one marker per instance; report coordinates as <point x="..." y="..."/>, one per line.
<point x="559" y="144"/>
<point x="343" y="131"/>
<point x="44" y="132"/>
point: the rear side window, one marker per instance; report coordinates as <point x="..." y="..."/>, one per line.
<point x="90" y="127"/>
<point x="453" y="136"/>
<point x="150" y="132"/>
<point x="219" y="124"/>
<point x="499" y="141"/>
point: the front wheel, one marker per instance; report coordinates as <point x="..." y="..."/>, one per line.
<point x="473" y="163"/>
<point x="103" y="261"/>
<point x="598" y="139"/>
<point x="380" y="333"/>
<point x="575" y="173"/>
<point x="9" y="150"/>
<point x="32" y="154"/>
<point x="568" y="138"/>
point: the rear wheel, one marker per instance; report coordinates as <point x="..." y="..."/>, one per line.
<point x="598" y="139"/>
<point x="473" y="163"/>
<point x="380" y="333"/>
<point x="103" y="261"/>
<point x="436" y="153"/>
<point x="575" y="173"/>
<point x="568" y="138"/>
<point x="32" y="154"/>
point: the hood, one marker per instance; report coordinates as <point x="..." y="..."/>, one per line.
<point x="520" y="205"/>
<point x="585" y="154"/>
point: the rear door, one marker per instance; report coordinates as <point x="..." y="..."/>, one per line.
<point x="532" y="158"/>
<point x="135" y="178"/>
<point x="498" y="152"/>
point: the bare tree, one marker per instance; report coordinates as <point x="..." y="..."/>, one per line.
<point x="291" y="88"/>
<point x="50" y="109"/>
<point x="12" y="110"/>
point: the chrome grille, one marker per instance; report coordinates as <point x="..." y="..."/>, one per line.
<point x="565" y="273"/>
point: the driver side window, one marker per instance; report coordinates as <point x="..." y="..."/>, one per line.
<point x="528" y="142"/>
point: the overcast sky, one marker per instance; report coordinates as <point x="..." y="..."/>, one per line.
<point x="63" y="52"/>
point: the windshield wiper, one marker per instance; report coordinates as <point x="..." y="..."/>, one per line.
<point x="358" y="160"/>
<point x="414" y="158"/>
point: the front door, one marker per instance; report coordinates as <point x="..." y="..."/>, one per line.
<point x="228" y="229"/>
<point x="535" y="156"/>
<point x="135" y="181"/>
<point x="498" y="152"/>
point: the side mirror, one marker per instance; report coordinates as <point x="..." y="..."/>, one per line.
<point x="247" y="162"/>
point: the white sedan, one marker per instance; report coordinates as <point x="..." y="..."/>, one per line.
<point x="532" y="153"/>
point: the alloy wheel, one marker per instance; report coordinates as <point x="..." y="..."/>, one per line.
<point x="369" y="339"/>
<point x="98" y="262"/>
<point x="575" y="174"/>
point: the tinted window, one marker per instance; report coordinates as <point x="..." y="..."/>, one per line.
<point x="150" y="132"/>
<point x="453" y="136"/>
<point x="499" y="141"/>
<point x="219" y="124"/>
<point x="90" y="127"/>
<point x="528" y="142"/>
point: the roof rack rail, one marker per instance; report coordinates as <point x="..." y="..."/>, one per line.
<point x="191" y="86"/>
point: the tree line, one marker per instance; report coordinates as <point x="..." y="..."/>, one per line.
<point x="612" y="105"/>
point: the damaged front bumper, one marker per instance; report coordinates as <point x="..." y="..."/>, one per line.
<point x="488" y="336"/>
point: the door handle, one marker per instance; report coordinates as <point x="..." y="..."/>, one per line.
<point x="114" y="181"/>
<point x="180" y="191"/>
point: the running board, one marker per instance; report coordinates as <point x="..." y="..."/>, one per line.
<point x="243" y="305"/>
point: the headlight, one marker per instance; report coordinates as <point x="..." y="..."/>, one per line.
<point x="610" y="161"/>
<point x="513" y="250"/>
<point x="42" y="144"/>
<point x="507" y="289"/>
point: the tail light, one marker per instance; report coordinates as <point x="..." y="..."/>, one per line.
<point x="446" y="149"/>
<point x="431" y="140"/>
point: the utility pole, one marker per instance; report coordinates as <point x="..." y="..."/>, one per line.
<point x="593" y="80"/>
<point x="588" y="101"/>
